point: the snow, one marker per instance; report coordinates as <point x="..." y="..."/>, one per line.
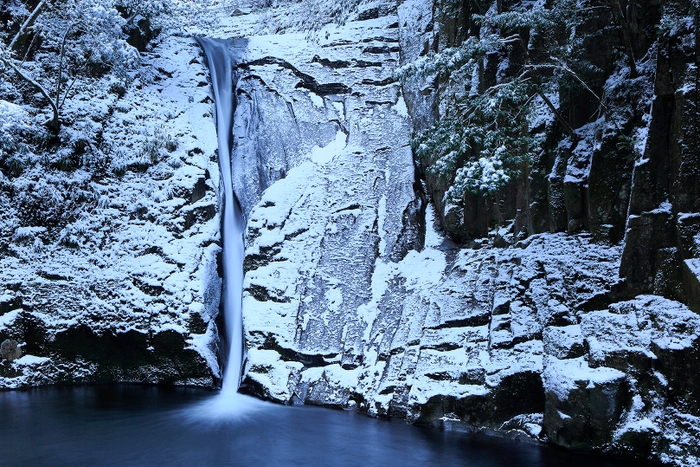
<point x="13" y="119"/>
<point x="433" y="238"/>
<point x="326" y="154"/>
<point x="579" y="166"/>
<point x="641" y="136"/>
<point x="7" y="319"/>
<point x="316" y="99"/>
<point x="400" y="107"/>
<point x="30" y="360"/>
<point x="128" y="233"/>
<point x="693" y="265"/>
<point x="339" y="271"/>
<point x="541" y="114"/>
<point x="24" y="233"/>
<point x="664" y="208"/>
<point x="561" y="377"/>
<point x="486" y="175"/>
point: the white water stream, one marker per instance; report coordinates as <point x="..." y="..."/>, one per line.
<point x="220" y="68"/>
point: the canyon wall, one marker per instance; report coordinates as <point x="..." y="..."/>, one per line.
<point x="109" y="246"/>
<point x="570" y="322"/>
<point x="562" y="309"/>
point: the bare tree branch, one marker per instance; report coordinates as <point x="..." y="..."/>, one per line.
<point x="34" y="83"/>
<point x="60" y="64"/>
<point x="564" y="67"/>
<point x="619" y="15"/>
<point x="557" y="114"/>
<point x="28" y="23"/>
<point x="70" y="87"/>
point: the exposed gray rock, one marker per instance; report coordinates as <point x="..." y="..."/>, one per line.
<point x="354" y="297"/>
<point x="417" y="38"/>
<point x="630" y="391"/>
<point x="9" y="350"/>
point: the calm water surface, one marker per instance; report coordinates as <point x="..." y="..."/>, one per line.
<point x="146" y="426"/>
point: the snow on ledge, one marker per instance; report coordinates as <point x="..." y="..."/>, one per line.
<point x="29" y="360"/>
<point x="563" y="376"/>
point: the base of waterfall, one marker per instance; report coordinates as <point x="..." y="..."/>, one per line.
<point x="145" y="426"/>
<point x="225" y="407"/>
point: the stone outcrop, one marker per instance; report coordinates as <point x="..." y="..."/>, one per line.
<point x="627" y="392"/>
<point x="364" y="287"/>
<point x="628" y="172"/>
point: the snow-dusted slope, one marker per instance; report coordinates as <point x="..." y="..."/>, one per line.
<point x="352" y="296"/>
<point x="111" y="274"/>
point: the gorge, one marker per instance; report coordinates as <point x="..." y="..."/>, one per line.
<point x="558" y="308"/>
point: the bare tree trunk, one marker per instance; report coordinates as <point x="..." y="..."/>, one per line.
<point x="54" y="123"/>
<point x="619" y="15"/>
<point x="567" y="128"/>
<point x="528" y="211"/>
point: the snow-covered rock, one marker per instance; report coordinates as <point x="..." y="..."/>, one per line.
<point x="631" y="391"/>
<point x="353" y="297"/>
<point x="108" y="272"/>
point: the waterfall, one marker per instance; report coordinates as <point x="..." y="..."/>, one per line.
<point x="220" y="68"/>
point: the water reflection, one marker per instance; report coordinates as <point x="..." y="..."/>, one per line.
<point x="147" y="426"/>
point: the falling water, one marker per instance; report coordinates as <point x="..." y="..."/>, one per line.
<point x="220" y="68"/>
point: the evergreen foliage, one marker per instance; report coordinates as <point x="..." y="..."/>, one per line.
<point x="483" y="139"/>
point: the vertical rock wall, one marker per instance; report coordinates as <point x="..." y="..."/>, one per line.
<point x="356" y="295"/>
<point x="365" y="288"/>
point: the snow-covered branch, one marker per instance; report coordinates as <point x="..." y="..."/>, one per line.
<point x="28" y="23"/>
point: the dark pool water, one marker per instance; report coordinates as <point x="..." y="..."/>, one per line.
<point x="145" y="426"/>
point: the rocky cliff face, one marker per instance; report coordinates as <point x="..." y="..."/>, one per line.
<point x="626" y="173"/>
<point x="357" y="296"/>
<point x="624" y="169"/>
<point x="575" y="323"/>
